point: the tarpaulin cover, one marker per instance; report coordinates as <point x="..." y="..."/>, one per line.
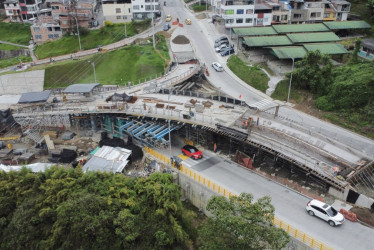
<point x="120" y="97"/>
<point x="31" y="97"/>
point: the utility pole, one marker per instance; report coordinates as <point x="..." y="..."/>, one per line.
<point x="79" y="37"/>
<point x="125" y="30"/>
<point x="153" y="24"/>
<point x="289" y="87"/>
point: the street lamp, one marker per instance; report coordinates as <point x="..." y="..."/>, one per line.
<point x="79" y="37"/>
<point x="93" y="65"/>
<point x="170" y="91"/>
<point x="289" y="87"/>
<point x="153" y="24"/>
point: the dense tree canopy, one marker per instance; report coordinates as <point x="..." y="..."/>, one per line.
<point x="313" y="72"/>
<point x="71" y="210"/>
<point x="240" y="223"/>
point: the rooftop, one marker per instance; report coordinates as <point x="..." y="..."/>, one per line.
<point x="81" y="88"/>
<point x="347" y="25"/>
<point x="294" y="28"/>
<point x="327" y="48"/>
<point x="255" y="31"/>
<point x="263" y="41"/>
<point x="288" y="52"/>
<point x="313" y="37"/>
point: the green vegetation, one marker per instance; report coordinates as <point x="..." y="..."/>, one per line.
<point x="67" y="209"/>
<point x="103" y="36"/>
<point x="15" y="33"/>
<point x="132" y="63"/>
<point x="266" y="67"/>
<point x="240" y="223"/>
<point x="252" y="75"/>
<point x="198" y="8"/>
<point x="345" y="93"/>
<point x="4" y="46"/>
<point x="14" y="61"/>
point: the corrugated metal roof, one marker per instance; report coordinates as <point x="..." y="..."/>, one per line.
<point x="327" y="48"/>
<point x="288" y="52"/>
<point x="35" y="97"/>
<point x="263" y="41"/>
<point x="313" y="37"/>
<point x="108" y="159"/>
<point x="347" y="25"/>
<point x="255" y="31"/>
<point x="81" y="88"/>
<point x="294" y="28"/>
<point x="368" y="43"/>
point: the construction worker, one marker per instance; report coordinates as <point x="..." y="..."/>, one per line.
<point x="336" y="170"/>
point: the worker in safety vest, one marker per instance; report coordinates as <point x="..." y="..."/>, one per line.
<point x="336" y="170"/>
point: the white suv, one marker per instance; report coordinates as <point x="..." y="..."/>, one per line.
<point x="325" y="212"/>
<point x="218" y="67"/>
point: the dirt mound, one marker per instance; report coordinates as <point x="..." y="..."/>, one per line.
<point x="181" y="40"/>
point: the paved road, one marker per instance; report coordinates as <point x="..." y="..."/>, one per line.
<point x="289" y="205"/>
<point x="203" y="33"/>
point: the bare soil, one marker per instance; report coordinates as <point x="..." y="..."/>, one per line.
<point x="364" y="215"/>
<point x="181" y="40"/>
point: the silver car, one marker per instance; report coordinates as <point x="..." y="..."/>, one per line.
<point x="218" y="67"/>
<point x="222" y="47"/>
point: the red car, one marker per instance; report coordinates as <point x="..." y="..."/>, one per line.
<point x="192" y="152"/>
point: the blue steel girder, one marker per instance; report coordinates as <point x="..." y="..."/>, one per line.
<point x="126" y="125"/>
<point x="163" y="133"/>
<point x="145" y="130"/>
<point x="153" y="128"/>
<point x="140" y="128"/>
<point x="133" y="127"/>
<point x="157" y="130"/>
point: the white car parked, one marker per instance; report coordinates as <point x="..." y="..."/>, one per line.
<point x="325" y="212"/>
<point x="218" y="67"/>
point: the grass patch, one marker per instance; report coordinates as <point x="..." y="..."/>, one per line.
<point x="266" y="67"/>
<point x="131" y="63"/>
<point x="4" y="46"/>
<point x="252" y="75"/>
<point x="15" y="33"/>
<point x="14" y="61"/>
<point x="281" y="93"/>
<point x="103" y="36"/>
<point x="198" y="8"/>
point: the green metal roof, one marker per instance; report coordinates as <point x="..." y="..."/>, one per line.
<point x="327" y="48"/>
<point x="255" y="31"/>
<point x="313" y="37"/>
<point x="347" y="25"/>
<point x="288" y="52"/>
<point x="263" y="41"/>
<point x="294" y="28"/>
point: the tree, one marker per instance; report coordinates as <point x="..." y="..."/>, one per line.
<point x="354" y="58"/>
<point x="240" y="223"/>
<point x="313" y="73"/>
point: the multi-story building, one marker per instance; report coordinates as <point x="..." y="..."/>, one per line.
<point x="64" y="18"/>
<point x="30" y="9"/>
<point x="246" y="13"/>
<point x="243" y="13"/>
<point x="13" y="10"/>
<point x="143" y="9"/>
<point x="117" y="11"/>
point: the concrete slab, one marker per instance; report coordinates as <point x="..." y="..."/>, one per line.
<point x="339" y="205"/>
<point x="19" y="83"/>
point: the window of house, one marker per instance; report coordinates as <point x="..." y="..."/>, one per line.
<point x="249" y="11"/>
<point x="66" y="7"/>
<point x="118" y="17"/>
<point x="65" y="22"/>
<point x="275" y="18"/>
<point x="129" y="10"/>
<point x="284" y="17"/>
<point x="56" y="35"/>
<point x="135" y="7"/>
<point x="124" y="17"/>
<point x="326" y="15"/>
<point x="57" y="29"/>
<point x="248" y="20"/>
<point x="229" y="12"/>
<point x="50" y="29"/>
<point x="239" y="11"/>
<point x="118" y="10"/>
<point x="229" y="20"/>
<point x="50" y="36"/>
<point x="55" y="7"/>
<point x="296" y="15"/>
<point x="275" y="8"/>
<point x="141" y="6"/>
<point x="38" y="37"/>
<point x="239" y="20"/>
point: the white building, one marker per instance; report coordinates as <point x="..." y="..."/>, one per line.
<point x="143" y="9"/>
<point x="117" y="11"/>
<point x="13" y="10"/>
<point x="243" y="13"/>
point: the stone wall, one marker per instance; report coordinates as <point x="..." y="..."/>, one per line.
<point x="4" y="54"/>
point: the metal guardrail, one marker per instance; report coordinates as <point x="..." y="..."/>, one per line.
<point x="221" y="190"/>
